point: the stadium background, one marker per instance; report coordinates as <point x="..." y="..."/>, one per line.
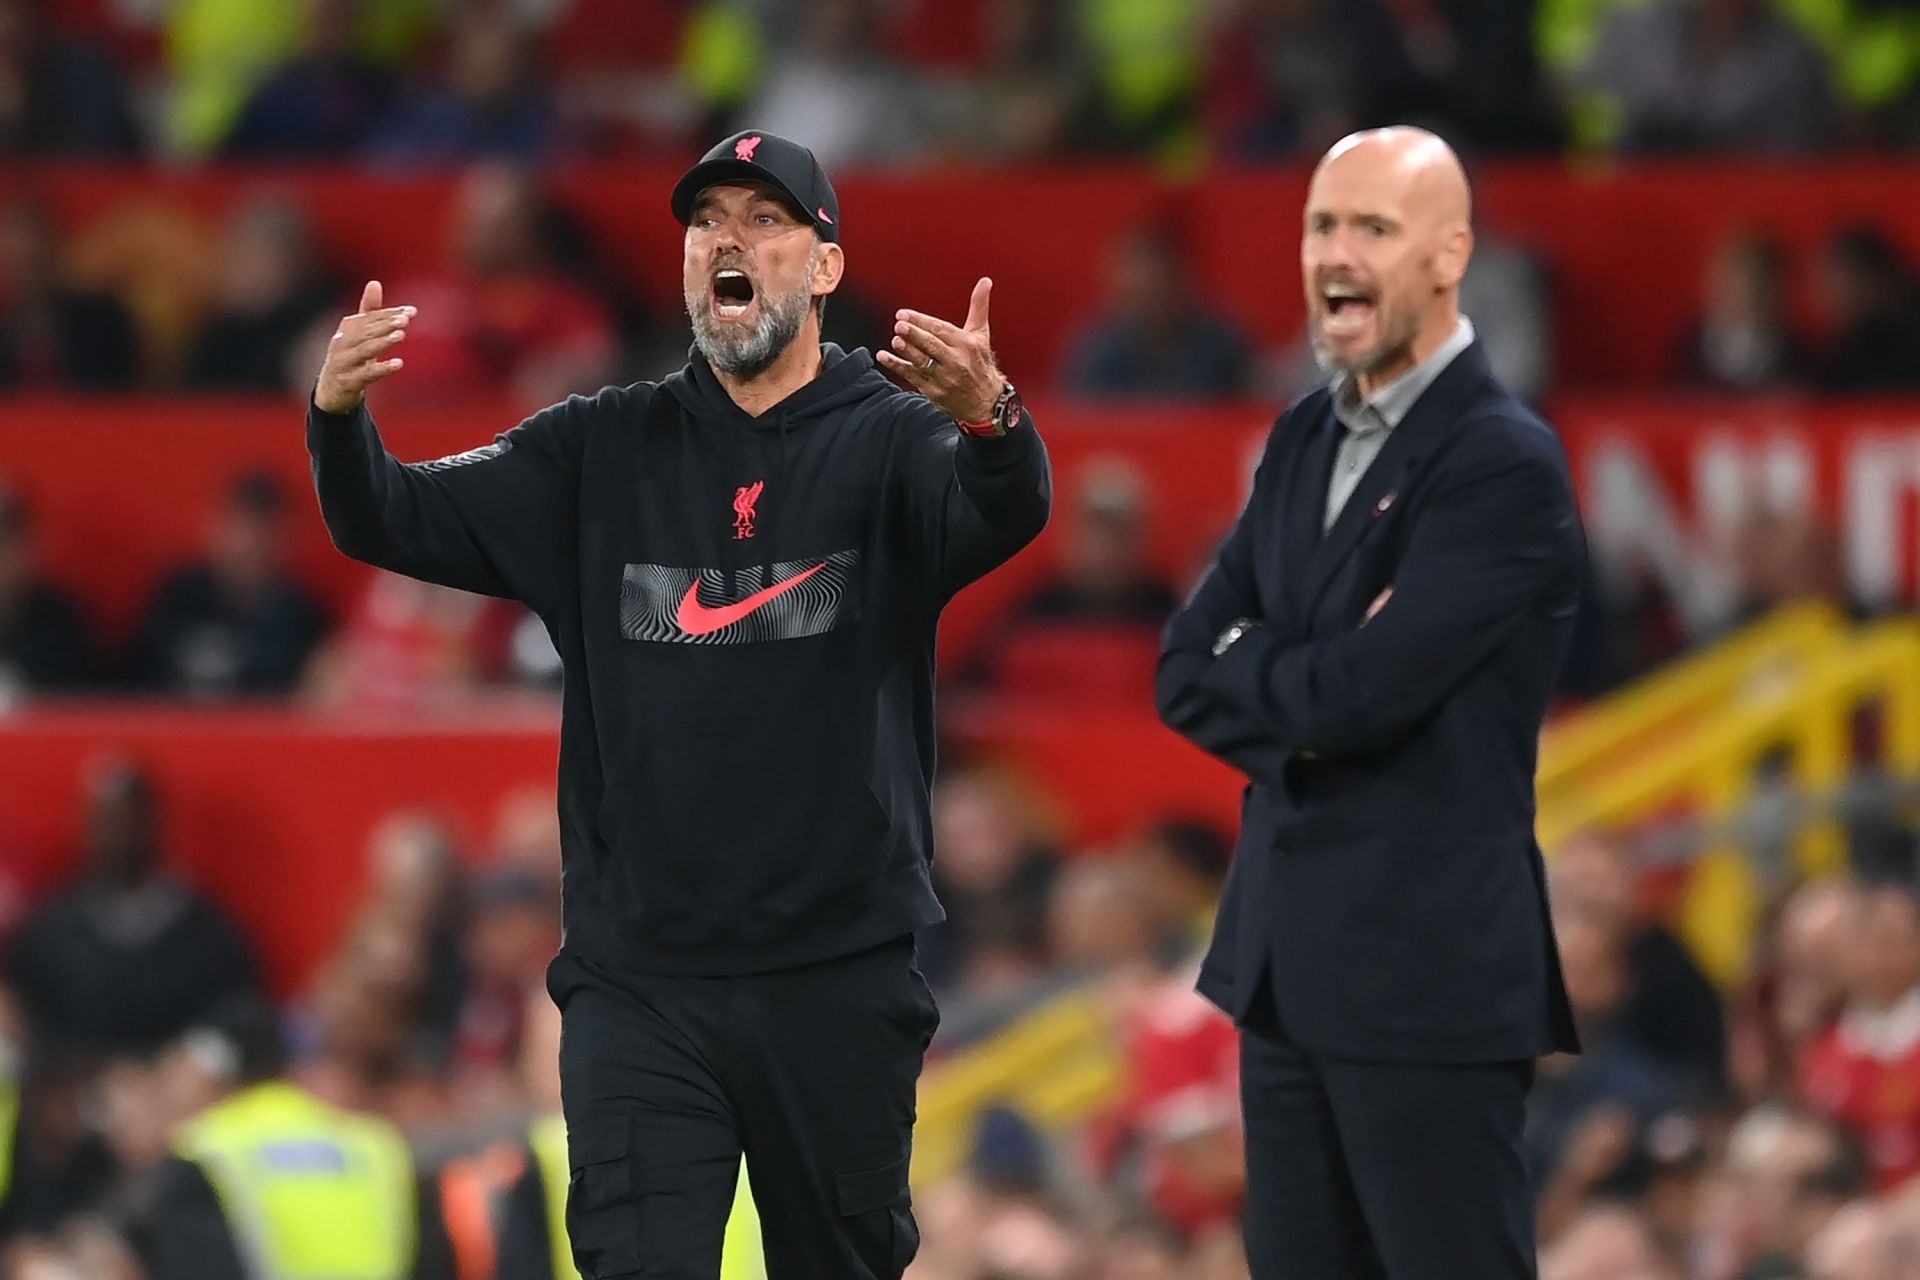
<point x="1696" y="227"/>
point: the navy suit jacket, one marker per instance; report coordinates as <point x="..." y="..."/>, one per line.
<point x="1387" y="878"/>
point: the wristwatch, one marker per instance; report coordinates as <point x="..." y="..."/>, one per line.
<point x="1234" y="630"/>
<point x="1004" y="416"/>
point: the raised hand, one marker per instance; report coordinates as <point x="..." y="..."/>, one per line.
<point x="358" y="356"/>
<point x="951" y="365"/>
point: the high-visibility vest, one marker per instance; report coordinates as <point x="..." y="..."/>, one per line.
<point x="549" y="1141"/>
<point x="741" y="1259"/>
<point x="9" y="1127"/>
<point x="310" y="1192"/>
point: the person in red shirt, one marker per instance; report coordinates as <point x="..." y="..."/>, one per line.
<point x="1865" y="1071"/>
<point x="503" y="320"/>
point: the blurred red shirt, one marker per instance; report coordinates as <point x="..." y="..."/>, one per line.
<point x="1864" y="1072"/>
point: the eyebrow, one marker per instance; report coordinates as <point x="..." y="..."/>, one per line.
<point x="755" y="198"/>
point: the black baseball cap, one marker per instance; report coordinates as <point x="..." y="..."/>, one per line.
<point x="754" y="155"/>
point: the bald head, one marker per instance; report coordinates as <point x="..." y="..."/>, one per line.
<point x="1386" y="241"/>
<point x="1434" y="178"/>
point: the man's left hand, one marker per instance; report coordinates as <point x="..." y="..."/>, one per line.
<point x="951" y="365"/>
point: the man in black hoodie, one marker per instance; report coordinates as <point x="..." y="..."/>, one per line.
<point x="742" y="567"/>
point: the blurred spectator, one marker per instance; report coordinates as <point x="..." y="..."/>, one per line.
<point x="504" y="320"/>
<point x="271" y="288"/>
<point x="994" y="873"/>
<point x="321" y="103"/>
<point x="406" y="645"/>
<point x="1291" y="77"/>
<point x="1786" y="1175"/>
<point x="58" y="96"/>
<point x="1857" y="1245"/>
<point x="236" y="624"/>
<point x="46" y="642"/>
<point x="1141" y="1249"/>
<point x="1032" y="85"/>
<point x="1157" y="339"/>
<point x="492" y="105"/>
<point x="1797" y="988"/>
<point x="418" y="890"/>
<point x="1607" y="1242"/>
<point x="1104" y="579"/>
<point x="1479" y="82"/>
<point x="54" y="337"/>
<point x="1147" y="63"/>
<point x="1743" y="339"/>
<point x="361" y="1020"/>
<point x="1786" y="556"/>
<point x="1586" y="1115"/>
<point x="13" y="1055"/>
<point x="1091" y="631"/>
<point x="1506" y="294"/>
<point x="1872" y="303"/>
<point x="1100" y="923"/>
<point x="1175" y="1137"/>
<point x="1183" y="863"/>
<point x="1669" y="1010"/>
<point x="239" y="1197"/>
<point x="1708" y="75"/>
<point x="1865" y="1071"/>
<point x="830" y="86"/>
<point x="513" y="934"/>
<point x="127" y="956"/>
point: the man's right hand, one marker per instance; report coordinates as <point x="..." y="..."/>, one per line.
<point x="357" y="356"/>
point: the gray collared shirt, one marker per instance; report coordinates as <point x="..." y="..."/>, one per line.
<point x="1365" y="426"/>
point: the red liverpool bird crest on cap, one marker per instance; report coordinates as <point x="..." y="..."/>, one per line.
<point x="745" y="148"/>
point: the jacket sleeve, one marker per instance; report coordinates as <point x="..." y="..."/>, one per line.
<point x="1498" y="542"/>
<point x="972" y="503"/>
<point x="433" y="1257"/>
<point x="1226" y="591"/>
<point x="500" y="520"/>
<point x="526" y="1247"/>
<point x="181" y="1233"/>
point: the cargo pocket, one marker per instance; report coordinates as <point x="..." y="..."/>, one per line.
<point x="602" y="1219"/>
<point x="876" y="1215"/>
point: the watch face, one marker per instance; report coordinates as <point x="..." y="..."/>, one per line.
<point x="1007" y="411"/>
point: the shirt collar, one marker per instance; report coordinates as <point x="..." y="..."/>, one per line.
<point x="1394" y="401"/>
<point x="1886" y="1034"/>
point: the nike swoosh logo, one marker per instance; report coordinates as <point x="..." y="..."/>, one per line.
<point x="697" y="619"/>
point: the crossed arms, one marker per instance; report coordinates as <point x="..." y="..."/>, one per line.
<point x="1496" y="539"/>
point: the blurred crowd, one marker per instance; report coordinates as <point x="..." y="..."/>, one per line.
<point x="1767" y="1130"/>
<point x="524" y="303"/>
<point x="406" y="82"/>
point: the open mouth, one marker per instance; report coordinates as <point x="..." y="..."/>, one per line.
<point x="1347" y="309"/>
<point x="732" y="294"/>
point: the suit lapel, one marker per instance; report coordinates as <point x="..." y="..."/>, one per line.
<point x="1306" y="505"/>
<point x="1407" y="446"/>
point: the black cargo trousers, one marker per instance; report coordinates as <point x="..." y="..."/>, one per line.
<point x="810" y="1072"/>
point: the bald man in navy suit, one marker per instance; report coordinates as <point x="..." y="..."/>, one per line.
<point x="1375" y="647"/>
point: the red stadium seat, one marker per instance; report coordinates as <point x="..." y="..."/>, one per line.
<point x="1078" y="662"/>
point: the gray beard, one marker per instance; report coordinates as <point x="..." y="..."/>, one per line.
<point x="748" y="352"/>
<point x="1396" y="346"/>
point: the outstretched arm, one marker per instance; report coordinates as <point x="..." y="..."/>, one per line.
<point x="500" y="519"/>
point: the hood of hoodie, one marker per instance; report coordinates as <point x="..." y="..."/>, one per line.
<point x="845" y="378"/>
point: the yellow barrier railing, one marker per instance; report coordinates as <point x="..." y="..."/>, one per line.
<point x="1056" y="1065"/>
<point x="1711" y="770"/>
<point x="1675" y="697"/>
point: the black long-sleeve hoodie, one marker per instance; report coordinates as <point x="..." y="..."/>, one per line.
<point x="746" y="608"/>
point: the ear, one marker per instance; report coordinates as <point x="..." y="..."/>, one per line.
<point x="1456" y="250"/>
<point x="831" y="266"/>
